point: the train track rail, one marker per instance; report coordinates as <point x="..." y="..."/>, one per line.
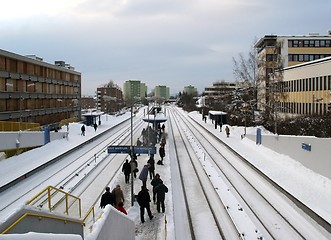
<point x="83" y="160"/>
<point x="271" y="210"/>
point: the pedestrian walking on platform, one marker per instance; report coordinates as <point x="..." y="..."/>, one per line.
<point x="162" y="154"/>
<point x="156" y="181"/>
<point x="118" y="193"/>
<point x="95" y="127"/>
<point x="126" y="169"/>
<point x="144" y="175"/>
<point x="83" y="130"/>
<point x="120" y="207"/>
<point x="134" y="166"/>
<point x="160" y="191"/>
<point x="107" y="198"/>
<point x="143" y="200"/>
<point x="151" y="166"/>
<point x="227" y="131"/>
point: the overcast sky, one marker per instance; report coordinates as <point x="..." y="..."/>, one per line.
<point x="160" y="42"/>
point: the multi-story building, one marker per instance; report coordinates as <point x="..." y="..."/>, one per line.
<point x="278" y="52"/>
<point x="88" y="103"/>
<point x="190" y="90"/>
<point x="134" y="89"/>
<point x="35" y="91"/>
<point x="306" y="88"/>
<point x="162" y="92"/>
<point x="219" y="93"/>
<point x="110" y="98"/>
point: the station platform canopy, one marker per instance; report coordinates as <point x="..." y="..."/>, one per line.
<point x="92" y="117"/>
<point x="218" y="116"/>
<point x="155" y="116"/>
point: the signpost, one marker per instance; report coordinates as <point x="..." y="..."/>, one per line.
<point x="126" y="149"/>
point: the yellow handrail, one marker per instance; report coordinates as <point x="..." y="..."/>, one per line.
<point x="47" y="190"/>
<point x="39" y="216"/>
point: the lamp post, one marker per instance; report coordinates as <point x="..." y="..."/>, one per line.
<point x="132" y="164"/>
<point x="131" y="153"/>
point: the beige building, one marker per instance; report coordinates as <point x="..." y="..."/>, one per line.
<point x="278" y="52"/>
<point x="307" y="88"/>
<point x="34" y="91"/>
<point x="219" y="93"/>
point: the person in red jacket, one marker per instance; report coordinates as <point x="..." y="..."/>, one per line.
<point x="121" y="208"/>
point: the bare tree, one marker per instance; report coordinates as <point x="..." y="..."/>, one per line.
<point x="245" y="70"/>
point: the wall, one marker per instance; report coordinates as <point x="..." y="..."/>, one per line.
<point x="113" y="225"/>
<point x="10" y="140"/>
<point x="318" y="159"/>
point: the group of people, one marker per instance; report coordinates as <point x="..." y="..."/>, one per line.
<point x="114" y="198"/>
<point x="144" y="199"/>
<point x="127" y="166"/>
<point x="83" y="129"/>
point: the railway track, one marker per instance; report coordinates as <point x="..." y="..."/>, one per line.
<point x="70" y="170"/>
<point x="273" y="214"/>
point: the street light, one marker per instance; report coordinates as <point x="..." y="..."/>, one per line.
<point x="132" y="152"/>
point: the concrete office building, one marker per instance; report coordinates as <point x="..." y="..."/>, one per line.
<point x="278" y="52"/>
<point x="218" y="93"/>
<point x="306" y="88"/>
<point x="32" y="90"/>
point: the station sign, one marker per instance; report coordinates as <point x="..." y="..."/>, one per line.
<point x="127" y="149"/>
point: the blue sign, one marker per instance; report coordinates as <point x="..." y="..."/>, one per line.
<point x="146" y="150"/>
<point x="119" y="149"/>
<point x="126" y="149"/>
<point x="306" y="146"/>
<point x="258" y="136"/>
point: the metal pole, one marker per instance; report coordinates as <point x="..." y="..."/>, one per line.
<point x="20" y="113"/>
<point x="132" y="192"/>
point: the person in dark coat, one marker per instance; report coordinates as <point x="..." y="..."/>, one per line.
<point x="83" y="130"/>
<point x="151" y="166"/>
<point x="143" y="200"/>
<point x="95" y="126"/>
<point x="227" y="131"/>
<point x="160" y="191"/>
<point x="156" y="181"/>
<point x="162" y="154"/>
<point x="144" y="175"/>
<point x="134" y="166"/>
<point x="126" y="169"/>
<point x="107" y="198"/>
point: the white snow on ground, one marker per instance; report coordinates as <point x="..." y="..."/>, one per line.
<point x="313" y="189"/>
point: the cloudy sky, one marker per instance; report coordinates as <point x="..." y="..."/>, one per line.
<point x="160" y="42"/>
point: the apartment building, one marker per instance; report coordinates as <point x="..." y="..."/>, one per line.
<point x="278" y="52"/>
<point x="162" y="92"/>
<point x="134" y="89"/>
<point x="34" y="91"/>
<point x="190" y="90"/>
<point x="109" y="98"/>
